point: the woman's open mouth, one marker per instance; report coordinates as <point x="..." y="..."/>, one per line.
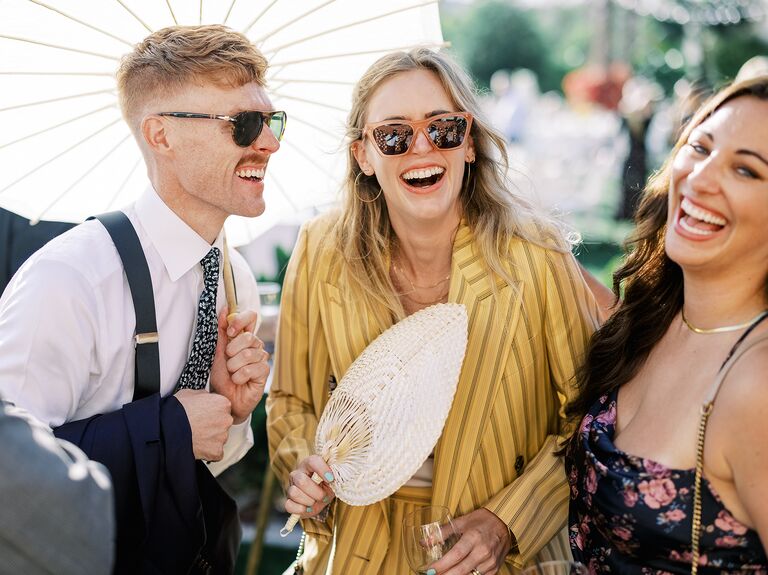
<point x="423" y="177"/>
<point x="698" y="221"/>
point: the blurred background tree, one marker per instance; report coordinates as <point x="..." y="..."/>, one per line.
<point x="663" y="40"/>
<point x="496" y="35"/>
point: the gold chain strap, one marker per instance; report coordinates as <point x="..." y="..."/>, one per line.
<point x="706" y="410"/>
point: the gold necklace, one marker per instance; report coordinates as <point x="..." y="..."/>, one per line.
<point x="400" y="272"/>
<point x="426" y="303"/>
<point x="723" y="329"/>
<point x="406" y="294"/>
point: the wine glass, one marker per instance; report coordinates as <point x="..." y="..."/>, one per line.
<point x="428" y="534"/>
<point x="557" y="568"/>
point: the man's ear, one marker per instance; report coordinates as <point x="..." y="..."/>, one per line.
<point x="155" y="134"/>
<point x="361" y="155"/>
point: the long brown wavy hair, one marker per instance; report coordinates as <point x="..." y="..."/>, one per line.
<point x="652" y="283"/>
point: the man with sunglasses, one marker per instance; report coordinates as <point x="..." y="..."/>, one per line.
<point x="195" y="100"/>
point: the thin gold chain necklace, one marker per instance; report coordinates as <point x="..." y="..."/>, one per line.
<point x="407" y="294"/>
<point x="440" y="299"/>
<point x="723" y="329"/>
<point x="401" y="273"/>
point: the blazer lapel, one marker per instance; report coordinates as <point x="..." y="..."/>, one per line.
<point x="492" y="321"/>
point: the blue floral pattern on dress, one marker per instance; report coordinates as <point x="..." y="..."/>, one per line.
<point x="633" y="515"/>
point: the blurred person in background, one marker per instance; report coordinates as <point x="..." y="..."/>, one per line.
<point x="514" y="95"/>
<point x="428" y="217"/>
<point x="639" y="97"/>
<point x="674" y="388"/>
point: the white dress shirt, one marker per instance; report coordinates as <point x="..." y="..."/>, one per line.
<point x="67" y="320"/>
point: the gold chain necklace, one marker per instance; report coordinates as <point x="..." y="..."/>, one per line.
<point x="406" y="295"/>
<point x="426" y="303"/>
<point x="400" y="272"/>
<point x="723" y="329"/>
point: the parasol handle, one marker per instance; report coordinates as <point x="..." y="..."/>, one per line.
<point x="229" y="283"/>
<point x="294" y="518"/>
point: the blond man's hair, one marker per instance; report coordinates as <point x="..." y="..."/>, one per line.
<point x="169" y="59"/>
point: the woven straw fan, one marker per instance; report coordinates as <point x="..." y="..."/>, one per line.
<point x="385" y="417"/>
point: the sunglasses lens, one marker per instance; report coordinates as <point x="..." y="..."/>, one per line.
<point x="277" y="123"/>
<point x="247" y="128"/>
<point x="393" y="139"/>
<point x="448" y="132"/>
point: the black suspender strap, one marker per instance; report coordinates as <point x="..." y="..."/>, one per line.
<point x="147" y="373"/>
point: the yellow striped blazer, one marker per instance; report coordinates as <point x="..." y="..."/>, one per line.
<point x="496" y="449"/>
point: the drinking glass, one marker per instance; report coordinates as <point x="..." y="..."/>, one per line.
<point x="557" y="568"/>
<point x="428" y="534"/>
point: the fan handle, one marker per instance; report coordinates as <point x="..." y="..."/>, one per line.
<point x="294" y="518"/>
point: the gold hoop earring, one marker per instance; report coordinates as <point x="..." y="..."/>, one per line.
<point x="376" y="197"/>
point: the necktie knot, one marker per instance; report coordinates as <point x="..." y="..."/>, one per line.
<point x="210" y="265"/>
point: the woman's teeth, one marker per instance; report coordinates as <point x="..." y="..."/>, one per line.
<point x="257" y="174"/>
<point x="699" y="221"/>
<point x="701" y="214"/>
<point x="421" y="174"/>
<point x="423" y="177"/>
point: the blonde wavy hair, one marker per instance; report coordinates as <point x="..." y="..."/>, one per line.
<point x="363" y="233"/>
<point x="169" y="59"/>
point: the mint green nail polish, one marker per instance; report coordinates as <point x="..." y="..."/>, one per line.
<point x="329" y="476"/>
<point x="326" y="499"/>
<point x="309" y="510"/>
<point x="431" y="571"/>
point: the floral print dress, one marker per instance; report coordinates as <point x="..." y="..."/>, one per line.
<point x="633" y="515"/>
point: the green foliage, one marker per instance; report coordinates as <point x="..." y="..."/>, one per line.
<point x="282" y="255"/>
<point x="648" y="58"/>
<point x="495" y="35"/>
<point x="567" y="33"/>
<point x="733" y="46"/>
<point x="601" y="259"/>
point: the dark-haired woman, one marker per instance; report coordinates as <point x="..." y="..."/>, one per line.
<point x="675" y="379"/>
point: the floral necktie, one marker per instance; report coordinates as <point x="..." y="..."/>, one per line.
<point x="198" y="367"/>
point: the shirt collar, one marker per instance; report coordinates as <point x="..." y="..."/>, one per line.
<point x="180" y="247"/>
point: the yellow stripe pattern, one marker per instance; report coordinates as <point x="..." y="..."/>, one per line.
<point x="497" y="446"/>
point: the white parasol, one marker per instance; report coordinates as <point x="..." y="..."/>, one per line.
<point x="66" y="154"/>
<point x="385" y="417"/>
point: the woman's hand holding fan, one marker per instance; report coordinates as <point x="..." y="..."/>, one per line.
<point x="386" y="415"/>
<point x="309" y="490"/>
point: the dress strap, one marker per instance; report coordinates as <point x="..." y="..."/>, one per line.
<point x="733" y="356"/>
<point x="706" y="409"/>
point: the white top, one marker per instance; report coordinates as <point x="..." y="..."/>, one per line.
<point x="67" y="321"/>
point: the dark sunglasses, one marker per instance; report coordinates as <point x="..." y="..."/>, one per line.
<point x="395" y="137"/>
<point x="246" y="126"/>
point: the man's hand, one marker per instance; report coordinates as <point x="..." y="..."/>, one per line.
<point x="210" y="419"/>
<point x="240" y="369"/>
<point x="483" y="545"/>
